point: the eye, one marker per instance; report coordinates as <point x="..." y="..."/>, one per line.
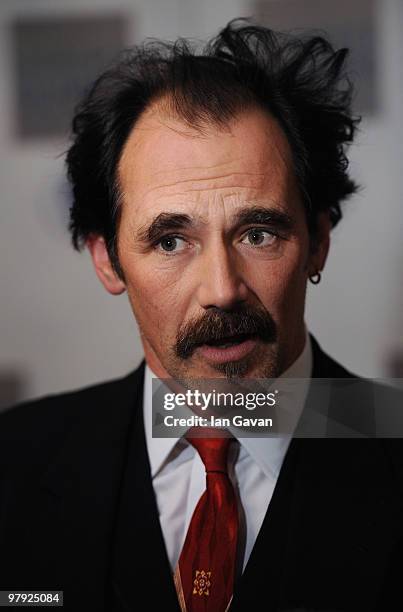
<point x="258" y="237"/>
<point x="171" y="244"/>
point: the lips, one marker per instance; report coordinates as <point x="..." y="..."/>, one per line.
<point x="230" y="348"/>
<point x="227" y="341"/>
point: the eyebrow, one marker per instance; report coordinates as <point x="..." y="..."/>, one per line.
<point x="255" y="215"/>
<point x="260" y="215"/>
<point x="162" y="223"/>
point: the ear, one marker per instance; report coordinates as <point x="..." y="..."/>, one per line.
<point x="103" y="267"/>
<point x="320" y="244"/>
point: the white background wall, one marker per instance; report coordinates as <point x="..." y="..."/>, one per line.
<point x="58" y="327"/>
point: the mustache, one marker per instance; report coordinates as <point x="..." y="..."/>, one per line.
<point x="217" y="324"/>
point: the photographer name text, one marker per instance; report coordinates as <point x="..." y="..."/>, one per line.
<point x="212" y="421"/>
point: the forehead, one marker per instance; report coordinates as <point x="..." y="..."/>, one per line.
<point x="166" y="163"/>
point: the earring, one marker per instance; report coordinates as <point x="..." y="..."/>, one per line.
<point x="315" y="278"/>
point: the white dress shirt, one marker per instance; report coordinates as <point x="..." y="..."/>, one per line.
<point x="179" y="477"/>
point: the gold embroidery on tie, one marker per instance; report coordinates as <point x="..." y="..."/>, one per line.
<point x="201" y="584"/>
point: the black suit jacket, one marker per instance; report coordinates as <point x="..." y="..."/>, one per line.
<point x="78" y="512"/>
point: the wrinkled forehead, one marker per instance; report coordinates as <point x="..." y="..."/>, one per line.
<point x="166" y="162"/>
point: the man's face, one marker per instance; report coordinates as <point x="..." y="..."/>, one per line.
<point x="214" y="246"/>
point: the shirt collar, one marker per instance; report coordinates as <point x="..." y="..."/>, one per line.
<point x="268" y="453"/>
<point x="159" y="449"/>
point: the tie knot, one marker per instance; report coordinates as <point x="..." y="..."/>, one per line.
<point x="213" y="451"/>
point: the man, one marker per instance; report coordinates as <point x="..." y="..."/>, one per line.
<point x="206" y="187"/>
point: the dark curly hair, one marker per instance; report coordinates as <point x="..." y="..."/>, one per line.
<point x="300" y="80"/>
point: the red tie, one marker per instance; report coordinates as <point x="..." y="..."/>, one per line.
<point x="204" y="576"/>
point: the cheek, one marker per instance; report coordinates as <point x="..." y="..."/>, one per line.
<point x="283" y="284"/>
<point x="154" y="298"/>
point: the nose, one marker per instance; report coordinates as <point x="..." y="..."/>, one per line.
<point x="221" y="285"/>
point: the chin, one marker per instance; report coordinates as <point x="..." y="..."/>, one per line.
<point x="258" y="365"/>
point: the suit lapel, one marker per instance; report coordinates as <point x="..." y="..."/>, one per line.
<point x="258" y="587"/>
<point x="328" y="531"/>
<point x="141" y="570"/>
<point x="99" y="504"/>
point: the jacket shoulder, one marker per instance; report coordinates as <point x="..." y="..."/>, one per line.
<point x="35" y="427"/>
<point x="325" y="366"/>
